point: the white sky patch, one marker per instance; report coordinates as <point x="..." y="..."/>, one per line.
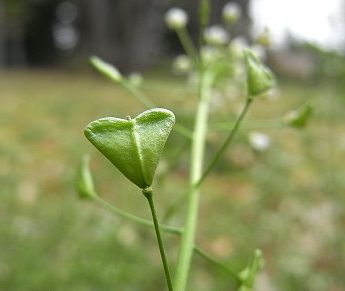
<point x="318" y="21"/>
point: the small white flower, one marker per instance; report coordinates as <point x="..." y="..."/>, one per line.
<point x="176" y="18"/>
<point x="136" y="78"/>
<point x="182" y="64"/>
<point x="209" y="54"/>
<point x="231" y="12"/>
<point x="259" y="141"/>
<point x="237" y="46"/>
<point x="259" y="51"/>
<point x="216" y="35"/>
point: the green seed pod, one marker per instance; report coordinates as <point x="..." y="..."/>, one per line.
<point x="247" y="276"/>
<point x="134" y="146"/>
<point x="298" y="118"/>
<point x="84" y="181"/>
<point x="106" y="69"/>
<point x="259" y="78"/>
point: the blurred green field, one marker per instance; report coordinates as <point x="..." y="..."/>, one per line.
<point x="288" y="200"/>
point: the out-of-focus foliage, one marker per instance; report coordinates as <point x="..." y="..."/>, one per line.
<point x="330" y="65"/>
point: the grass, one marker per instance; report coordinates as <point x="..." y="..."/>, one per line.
<point x="288" y="201"/>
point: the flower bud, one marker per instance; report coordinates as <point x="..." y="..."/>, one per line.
<point x="84" y="181"/>
<point x="247" y="276"/>
<point x="259" y="141"/>
<point x="176" y="18"/>
<point x="298" y="118"/>
<point x="259" y="78"/>
<point x="264" y="38"/>
<point x="209" y="54"/>
<point x="237" y="46"/>
<point x="182" y="64"/>
<point x="216" y="35"/>
<point x="136" y="79"/>
<point x="106" y="69"/>
<point x="231" y="12"/>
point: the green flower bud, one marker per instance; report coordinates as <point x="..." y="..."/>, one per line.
<point x="259" y="78"/>
<point x="134" y="146"/>
<point x="298" y="118"/>
<point x="84" y="181"/>
<point x="106" y="69"/>
<point x="247" y="276"/>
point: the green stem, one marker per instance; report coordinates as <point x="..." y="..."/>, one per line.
<point x="183" y="130"/>
<point x="137" y="94"/>
<point x="249" y="125"/>
<point x="134" y="218"/>
<point x="197" y="155"/>
<point x="148" y="103"/>
<point x="226" y="142"/>
<point x="148" y="194"/>
<point x="215" y="261"/>
<point x="187" y="44"/>
<point x="165" y="228"/>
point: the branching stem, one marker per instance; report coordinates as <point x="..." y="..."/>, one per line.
<point x="163" y="227"/>
<point x="226" y="142"/>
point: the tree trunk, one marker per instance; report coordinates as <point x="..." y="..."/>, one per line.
<point x="3" y="36"/>
<point x="97" y="37"/>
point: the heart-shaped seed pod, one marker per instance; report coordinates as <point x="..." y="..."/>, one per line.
<point x="134" y="146"/>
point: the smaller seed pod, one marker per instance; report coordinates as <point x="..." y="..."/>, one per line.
<point x="298" y="118"/>
<point x="84" y="181"/>
<point x="259" y="78"/>
<point x="106" y="69"/>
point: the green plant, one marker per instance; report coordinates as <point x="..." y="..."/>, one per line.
<point x="135" y="145"/>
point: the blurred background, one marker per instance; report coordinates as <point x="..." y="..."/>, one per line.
<point x="277" y="188"/>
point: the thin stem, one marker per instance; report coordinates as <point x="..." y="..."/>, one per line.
<point x="215" y="261"/>
<point x="226" y="142"/>
<point x="249" y="125"/>
<point x="187" y="44"/>
<point x="197" y="155"/>
<point x="148" y="223"/>
<point x="134" y="218"/>
<point x="183" y="130"/>
<point x="148" y="194"/>
<point x="137" y="94"/>
<point x="148" y="103"/>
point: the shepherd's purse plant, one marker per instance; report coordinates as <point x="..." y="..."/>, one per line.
<point x="134" y="145"/>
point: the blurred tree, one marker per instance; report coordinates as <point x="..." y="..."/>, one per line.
<point x="128" y="33"/>
<point x="131" y="33"/>
<point x="241" y="28"/>
<point x="15" y="15"/>
<point x="3" y="53"/>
